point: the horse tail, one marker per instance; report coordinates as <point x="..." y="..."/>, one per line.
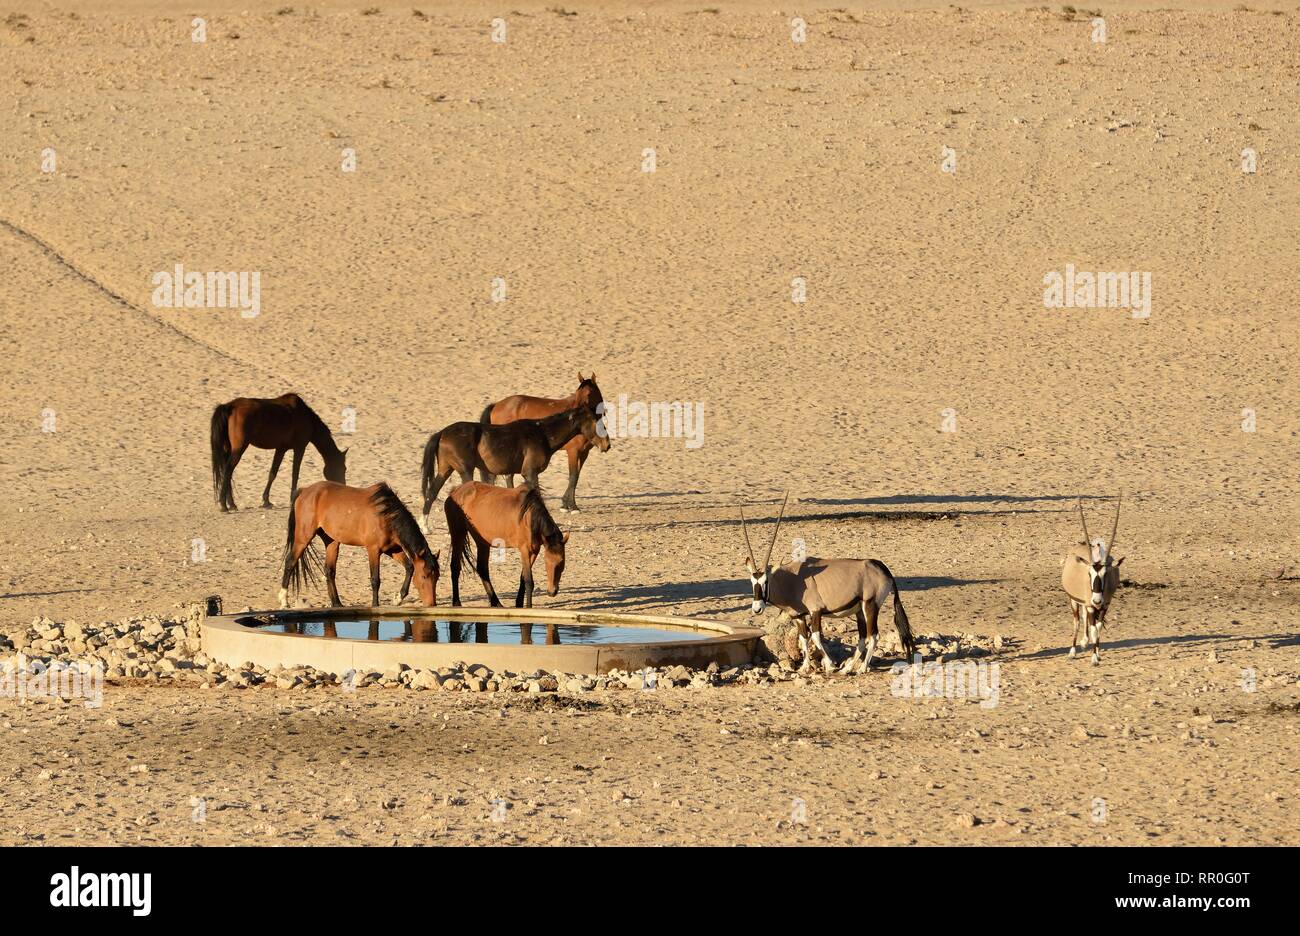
<point x="220" y="435"/>
<point x="458" y="527"/>
<point x="308" y="563"/>
<point x="901" y="623"/>
<point x="486" y="418"/>
<point x="429" y="468"/>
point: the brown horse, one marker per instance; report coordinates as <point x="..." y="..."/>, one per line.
<point x="531" y="407"/>
<point x="282" y="424"/>
<point x="514" y="517"/>
<point x="524" y="446"/>
<point x="373" y="517"/>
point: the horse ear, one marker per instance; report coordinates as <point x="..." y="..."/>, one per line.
<point x="565" y="538"/>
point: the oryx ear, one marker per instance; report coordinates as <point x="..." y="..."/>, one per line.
<point x="580" y="378"/>
<point x="1082" y="560"/>
<point x="1119" y="562"/>
<point x="749" y="564"/>
<point x="565" y="538"/>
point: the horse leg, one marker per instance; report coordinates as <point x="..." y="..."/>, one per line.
<point x="576" y="459"/>
<point x="481" y="566"/>
<point x="227" y="490"/>
<point x="275" y="466"/>
<point x="400" y="556"/>
<point x="373" y="555"/>
<point x="456" y="539"/>
<point x="297" y="466"/>
<point x="524" y="599"/>
<point x="438" y="482"/>
<point x="331" y="561"/>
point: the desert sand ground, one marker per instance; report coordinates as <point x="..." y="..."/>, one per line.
<point x="774" y="160"/>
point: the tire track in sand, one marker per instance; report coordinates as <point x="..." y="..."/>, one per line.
<point x="58" y="257"/>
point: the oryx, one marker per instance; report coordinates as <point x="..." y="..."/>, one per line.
<point x="811" y="588"/>
<point x="1090" y="575"/>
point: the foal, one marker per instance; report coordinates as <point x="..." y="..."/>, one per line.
<point x="373" y="517"/>
<point x="514" y="517"/>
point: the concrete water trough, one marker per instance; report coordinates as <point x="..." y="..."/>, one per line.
<point x="503" y="639"/>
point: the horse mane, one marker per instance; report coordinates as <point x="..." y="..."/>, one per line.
<point x="541" y="525"/>
<point x="393" y="512"/>
<point x="317" y="423"/>
<point x="556" y="418"/>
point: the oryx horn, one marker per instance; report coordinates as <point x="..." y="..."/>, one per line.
<point x="1110" y="544"/>
<point x="776" y="530"/>
<point x="744" y="528"/>
<point x="1086" y="539"/>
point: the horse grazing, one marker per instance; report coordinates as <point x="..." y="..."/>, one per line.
<point x="531" y="407"/>
<point x="282" y="424"/>
<point x="373" y="517"/>
<point x="524" y="446"/>
<point x="515" y="517"/>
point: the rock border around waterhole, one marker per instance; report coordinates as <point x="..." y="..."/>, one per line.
<point x="168" y="650"/>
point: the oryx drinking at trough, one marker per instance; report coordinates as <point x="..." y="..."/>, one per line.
<point x="1090" y="575"/>
<point x="812" y="588"/>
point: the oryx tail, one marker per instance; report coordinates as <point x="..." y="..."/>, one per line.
<point x="901" y="623"/>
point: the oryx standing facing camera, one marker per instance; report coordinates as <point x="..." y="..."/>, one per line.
<point x="1090" y="575"/>
<point x="812" y="588"/>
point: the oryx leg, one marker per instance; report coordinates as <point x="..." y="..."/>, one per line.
<point x="801" y="622"/>
<point x="852" y="662"/>
<point x="1074" y="641"/>
<point x="1097" y="621"/>
<point x="816" y="626"/>
<point x="872" y="611"/>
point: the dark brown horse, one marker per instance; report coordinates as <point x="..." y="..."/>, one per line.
<point x="501" y="517"/>
<point x="524" y="447"/>
<point x="373" y="517"/>
<point x="282" y="424"/>
<point x="531" y="407"/>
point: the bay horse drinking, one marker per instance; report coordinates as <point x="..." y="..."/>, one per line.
<point x="499" y="517"/>
<point x="373" y="517"/>
<point x="283" y="424"/>
<point x="524" y="446"/>
<point x="531" y="407"/>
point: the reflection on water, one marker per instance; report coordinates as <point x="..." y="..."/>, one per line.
<point x="431" y="630"/>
